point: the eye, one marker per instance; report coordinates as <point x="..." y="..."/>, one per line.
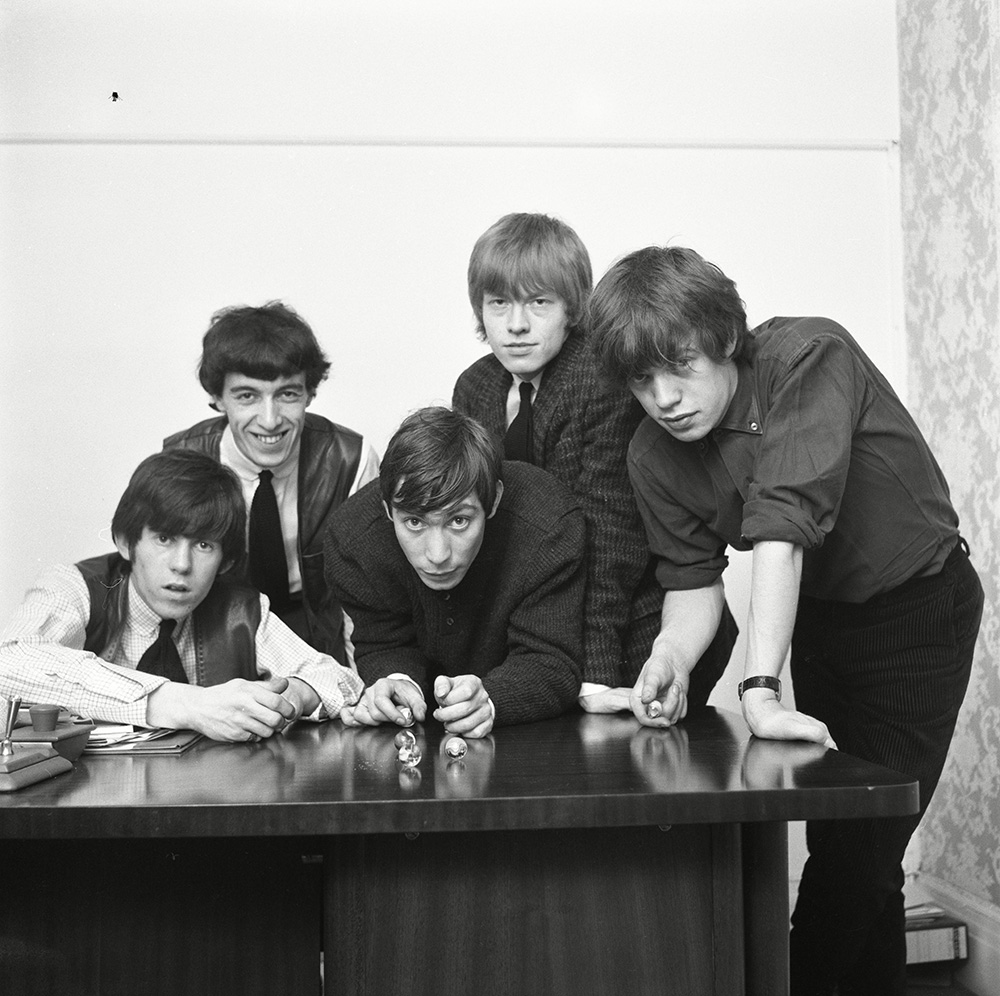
<point x="291" y="395"/>
<point x="638" y="380"/>
<point x="460" y="521"/>
<point x="206" y="546"/>
<point x="412" y="522"/>
<point x="164" y="539"/>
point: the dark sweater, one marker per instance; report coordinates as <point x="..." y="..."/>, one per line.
<point x="515" y="619"/>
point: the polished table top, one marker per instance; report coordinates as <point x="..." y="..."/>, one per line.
<point x="578" y="770"/>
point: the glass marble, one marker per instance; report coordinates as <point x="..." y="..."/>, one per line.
<point x="456" y="747"/>
<point x="654" y="710"/>
<point x="409" y="754"/>
<point x="407" y="714"/>
<point x="404" y="737"/>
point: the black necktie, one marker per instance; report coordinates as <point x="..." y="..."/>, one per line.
<point x="268" y="569"/>
<point x="161" y="655"/>
<point x="518" y="444"/>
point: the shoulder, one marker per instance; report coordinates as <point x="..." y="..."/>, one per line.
<point x="320" y="429"/>
<point x="202" y="435"/>
<point x="355" y="518"/>
<point x="533" y="498"/>
<point x="787" y="339"/>
<point x="486" y="370"/>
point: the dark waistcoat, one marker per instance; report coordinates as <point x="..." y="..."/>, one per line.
<point x="225" y="623"/>
<point x="329" y="456"/>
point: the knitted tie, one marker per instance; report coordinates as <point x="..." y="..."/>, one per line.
<point x="518" y="443"/>
<point x="161" y="655"/>
<point x="268" y="569"/>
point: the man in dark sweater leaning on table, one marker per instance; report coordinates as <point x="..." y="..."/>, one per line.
<point x="463" y="575"/>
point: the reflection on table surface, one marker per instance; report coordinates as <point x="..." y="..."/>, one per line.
<point x="578" y="769"/>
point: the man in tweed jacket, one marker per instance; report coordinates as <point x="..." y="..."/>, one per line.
<point x="529" y="278"/>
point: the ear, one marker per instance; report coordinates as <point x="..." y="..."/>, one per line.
<point x="388" y="511"/>
<point x="122" y="547"/>
<point x="496" y="501"/>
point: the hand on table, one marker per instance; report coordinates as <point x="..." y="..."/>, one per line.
<point x="381" y="703"/>
<point x="770" y="720"/>
<point x="235" y="710"/>
<point x="464" y="705"/>
<point x="659" y="696"/>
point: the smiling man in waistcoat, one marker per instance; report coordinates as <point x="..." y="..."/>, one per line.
<point x="261" y="368"/>
<point x="155" y="634"/>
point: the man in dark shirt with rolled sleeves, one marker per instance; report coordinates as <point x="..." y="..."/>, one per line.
<point x="463" y="575"/>
<point x="787" y="440"/>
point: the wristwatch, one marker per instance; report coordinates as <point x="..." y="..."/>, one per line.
<point x="760" y="681"/>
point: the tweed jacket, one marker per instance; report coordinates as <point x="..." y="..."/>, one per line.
<point x="581" y="436"/>
<point x="329" y="456"/>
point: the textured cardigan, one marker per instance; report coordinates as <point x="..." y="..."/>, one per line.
<point x="514" y="619"/>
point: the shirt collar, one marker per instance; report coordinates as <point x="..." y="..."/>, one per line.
<point x="142" y="619"/>
<point x="535" y="381"/>
<point x="743" y="413"/>
<point x="232" y="456"/>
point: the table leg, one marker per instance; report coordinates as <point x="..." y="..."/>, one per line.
<point x="765" y="903"/>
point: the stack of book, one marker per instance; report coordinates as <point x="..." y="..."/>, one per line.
<point x="934" y="935"/>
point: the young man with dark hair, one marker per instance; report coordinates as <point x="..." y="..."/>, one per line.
<point x="261" y="368"/>
<point x="155" y="634"/>
<point x="537" y="390"/>
<point x="463" y="576"/>
<point x="787" y="440"/>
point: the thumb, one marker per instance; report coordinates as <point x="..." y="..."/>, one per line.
<point x="442" y="686"/>
<point x="276" y="684"/>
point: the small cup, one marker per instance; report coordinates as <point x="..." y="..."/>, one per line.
<point x="44" y="717"/>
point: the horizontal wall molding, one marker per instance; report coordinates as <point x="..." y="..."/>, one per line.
<point x="803" y="145"/>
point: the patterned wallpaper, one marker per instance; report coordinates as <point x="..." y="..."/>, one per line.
<point x="949" y="89"/>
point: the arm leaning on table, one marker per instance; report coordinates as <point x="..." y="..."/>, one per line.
<point x="42" y="659"/>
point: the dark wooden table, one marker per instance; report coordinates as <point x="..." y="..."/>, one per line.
<point x="582" y="855"/>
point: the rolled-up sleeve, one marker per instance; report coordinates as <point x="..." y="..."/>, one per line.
<point x="800" y="472"/>
<point x="283" y="654"/>
<point x="689" y="554"/>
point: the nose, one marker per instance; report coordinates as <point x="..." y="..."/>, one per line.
<point x="180" y="557"/>
<point x="517" y="320"/>
<point x="437" y="549"/>
<point x="665" y="391"/>
<point x="269" y="416"/>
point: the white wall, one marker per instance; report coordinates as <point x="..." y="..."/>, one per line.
<point x="344" y="156"/>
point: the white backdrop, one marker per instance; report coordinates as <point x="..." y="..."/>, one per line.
<point x="344" y="156"/>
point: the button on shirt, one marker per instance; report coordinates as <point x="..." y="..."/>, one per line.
<point x="815" y="449"/>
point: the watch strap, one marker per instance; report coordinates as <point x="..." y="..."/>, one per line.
<point x="760" y="681"/>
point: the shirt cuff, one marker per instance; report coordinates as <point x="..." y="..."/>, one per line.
<point x="336" y="687"/>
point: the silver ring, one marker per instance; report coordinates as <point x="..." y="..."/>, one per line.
<point x="254" y="738"/>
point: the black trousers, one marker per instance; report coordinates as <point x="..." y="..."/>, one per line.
<point x="887" y="677"/>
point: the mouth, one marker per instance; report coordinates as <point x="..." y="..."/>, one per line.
<point x="177" y="589"/>
<point x="270" y="439"/>
<point x="679" y="422"/>
<point x="520" y="347"/>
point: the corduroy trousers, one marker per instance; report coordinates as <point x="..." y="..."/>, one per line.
<point x="888" y="677"/>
